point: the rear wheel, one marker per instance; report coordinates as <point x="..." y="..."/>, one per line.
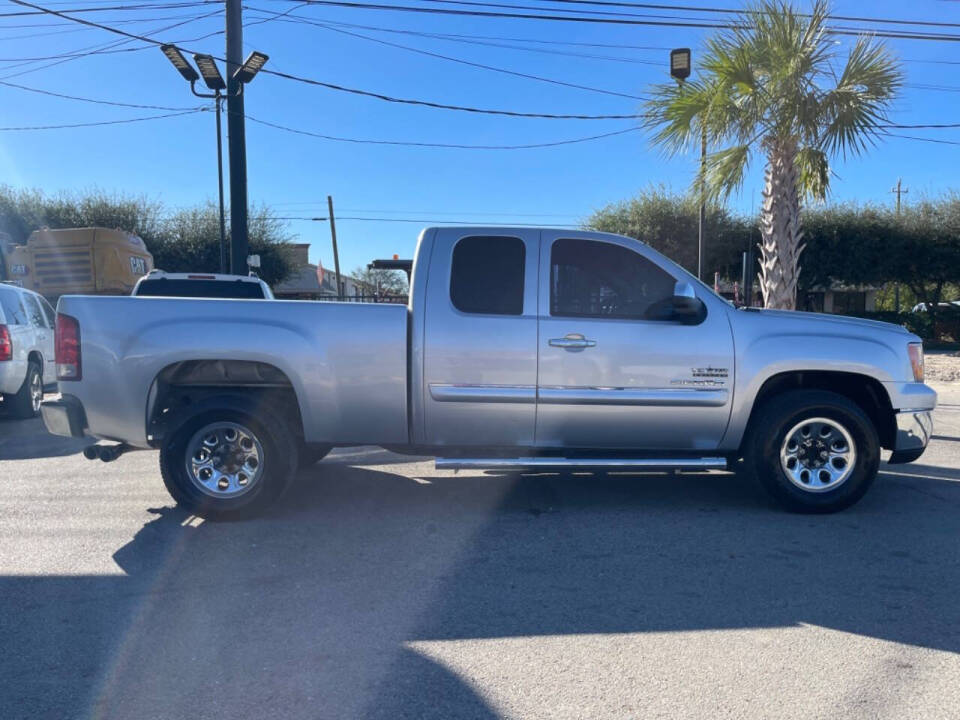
<point x="228" y="463"/>
<point x="813" y="451"/>
<point x="26" y="403"/>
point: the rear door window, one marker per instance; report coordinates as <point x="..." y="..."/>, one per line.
<point x="13" y="311"/>
<point x="34" y="312"/>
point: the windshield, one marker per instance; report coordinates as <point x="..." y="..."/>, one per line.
<point x="165" y="287"/>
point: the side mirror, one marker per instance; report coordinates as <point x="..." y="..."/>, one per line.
<point x="687" y="307"/>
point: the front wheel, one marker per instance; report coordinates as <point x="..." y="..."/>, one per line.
<point x="224" y="464"/>
<point x="813" y="451"/>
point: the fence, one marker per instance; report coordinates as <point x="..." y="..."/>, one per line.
<point x="389" y="299"/>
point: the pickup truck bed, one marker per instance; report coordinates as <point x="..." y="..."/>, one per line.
<point x="351" y="385"/>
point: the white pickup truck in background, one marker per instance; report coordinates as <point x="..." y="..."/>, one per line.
<point x="519" y="348"/>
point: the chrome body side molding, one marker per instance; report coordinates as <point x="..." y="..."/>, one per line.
<point x="668" y="397"/>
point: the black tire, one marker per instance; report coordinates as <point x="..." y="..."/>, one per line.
<point x="279" y="463"/>
<point x="22" y="403"/>
<point x="767" y="435"/>
<point x="312" y="454"/>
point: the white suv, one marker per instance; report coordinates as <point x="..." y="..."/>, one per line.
<point x="27" y="323"/>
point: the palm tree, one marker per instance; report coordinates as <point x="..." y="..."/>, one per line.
<point x="770" y="84"/>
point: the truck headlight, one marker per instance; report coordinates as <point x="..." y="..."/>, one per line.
<point x="915" y="351"/>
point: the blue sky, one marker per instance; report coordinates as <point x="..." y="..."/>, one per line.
<point x="173" y="159"/>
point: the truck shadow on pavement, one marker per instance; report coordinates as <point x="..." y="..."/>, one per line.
<point x="324" y="607"/>
<point x="29" y="439"/>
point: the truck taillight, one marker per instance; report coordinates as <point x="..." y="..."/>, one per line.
<point x="6" y="344"/>
<point x="68" y="348"/>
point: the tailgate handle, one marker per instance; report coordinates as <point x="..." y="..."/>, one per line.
<point x="573" y="341"/>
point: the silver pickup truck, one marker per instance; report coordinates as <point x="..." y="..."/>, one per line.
<point x="519" y="348"/>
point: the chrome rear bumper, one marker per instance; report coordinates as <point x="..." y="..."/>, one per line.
<point x="64" y="416"/>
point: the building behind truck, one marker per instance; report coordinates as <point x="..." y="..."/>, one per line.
<point x="83" y="261"/>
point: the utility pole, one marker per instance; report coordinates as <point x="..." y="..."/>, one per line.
<point x="333" y="237"/>
<point x="899" y="190"/>
<point x="236" y="141"/>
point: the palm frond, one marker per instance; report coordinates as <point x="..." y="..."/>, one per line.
<point x="814" y="169"/>
<point x="724" y="171"/>
<point x="857" y="106"/>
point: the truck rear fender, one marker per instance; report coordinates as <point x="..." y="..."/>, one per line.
<point x="183" y="389"/>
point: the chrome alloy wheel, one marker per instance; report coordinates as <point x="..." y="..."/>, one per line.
<point x="36" y="392"/>
<point x="224" y="460"/>
<point x="818" y="454"/>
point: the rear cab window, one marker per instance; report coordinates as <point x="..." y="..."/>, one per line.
<point x="487" y="275"/>
<point x="236" y="289"/>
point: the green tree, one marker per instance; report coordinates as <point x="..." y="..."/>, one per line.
<point x="769" y="85"/>
<point x="190" y="241"/>
<point x="384" y="282"/>
<point x="667" y="222"/>
<point x="187" y="240"/>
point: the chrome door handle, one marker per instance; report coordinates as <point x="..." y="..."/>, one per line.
<point x="572" y="342"/>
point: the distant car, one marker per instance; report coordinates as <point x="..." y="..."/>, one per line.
<point x="27" y="362"/>
<point x="924" y="307"/>
<point x="202" y="285"/>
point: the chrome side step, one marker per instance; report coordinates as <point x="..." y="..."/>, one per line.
<point x="559" y="463"/>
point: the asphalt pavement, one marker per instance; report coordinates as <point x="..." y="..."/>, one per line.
<point x="382" y="588"/>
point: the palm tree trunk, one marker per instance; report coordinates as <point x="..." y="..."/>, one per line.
<point x="780" y="230"/>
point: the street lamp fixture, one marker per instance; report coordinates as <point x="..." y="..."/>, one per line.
<point x="210" y="72"/>
<point x="680" y="63"/>
<point x="177" y="59"/>
<point x="251" y="66"/>
<point x="214" y="80"/>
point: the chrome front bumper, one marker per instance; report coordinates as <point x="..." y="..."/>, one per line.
<point x="914" y="428"/>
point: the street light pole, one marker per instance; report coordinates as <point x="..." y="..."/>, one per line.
<point x="703" y="193"/>
<point x="223" y="224"/>
<point x="236" y="139"/>
<point x="680" y="66"/>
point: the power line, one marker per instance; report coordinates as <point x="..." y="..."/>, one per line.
<point x="98" y="123"/>
<point x="917" y="127"/>
<point x="142" y="6"/>
<point x="740" y="11"/>
<point x="481" y="66"/>
<point x="362" y="141"/>
<point x="923" y="139"/>
<point x="485" y="41"/>
<point x="355" y="91"/>
<point x="105" y="48"/>
<point x="95" y="101"/>
<point x="839" y="30"/>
